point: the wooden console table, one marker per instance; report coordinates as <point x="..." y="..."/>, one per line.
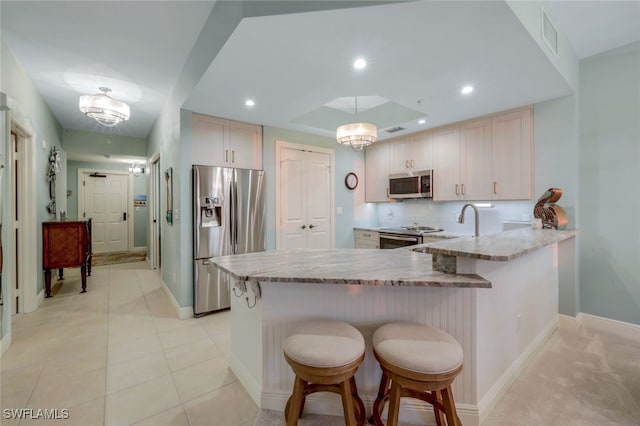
<point x="66" y="243"/>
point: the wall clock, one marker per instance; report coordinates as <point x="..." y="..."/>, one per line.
<point x="351" y="180"/>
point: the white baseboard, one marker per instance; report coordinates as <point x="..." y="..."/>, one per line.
<point x="143" y="248"/>
<point x="619" y="328"/>
<point x="246" y="379"/>
<point x="569" y="323"/>
<point x="5" y="342"/>
<point x="507" y="378"/>
<point x="183" y="312"/>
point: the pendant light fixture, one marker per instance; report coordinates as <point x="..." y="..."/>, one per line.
<point x="357" y="135"/>
<point x="104" y="109"/>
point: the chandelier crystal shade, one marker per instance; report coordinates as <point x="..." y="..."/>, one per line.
<point x="104" y="109"/>
<point x="357" y="135"/>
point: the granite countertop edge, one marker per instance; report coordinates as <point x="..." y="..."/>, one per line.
<point x="501" y="247"/>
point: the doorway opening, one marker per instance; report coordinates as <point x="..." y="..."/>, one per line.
<point x="155" y="179"/>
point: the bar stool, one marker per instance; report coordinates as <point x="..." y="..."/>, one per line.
<point x="420" y="362"/>
<point x="325" y="355"/>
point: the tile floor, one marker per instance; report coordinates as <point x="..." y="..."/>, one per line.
<point x="118" y="355"/>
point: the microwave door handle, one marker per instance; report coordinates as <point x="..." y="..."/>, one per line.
<point x="399" y="238"/>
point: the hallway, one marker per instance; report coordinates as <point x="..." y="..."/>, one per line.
<point x="118" y="355"/>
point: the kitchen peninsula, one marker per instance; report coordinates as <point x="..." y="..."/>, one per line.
<point x="499" y="310"/>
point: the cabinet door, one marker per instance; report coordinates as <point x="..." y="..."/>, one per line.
<point x="422" y="151"/>
<point x="400" y="155"/>
<point x="475" y="160"/>
<point x="376" y="187"/>
<point x="209" y="135"/>
<point x="446" y="168"/>
<point x="366" y="244"/>
<point x="511" y="159"/>
<point x="244" y="149"/>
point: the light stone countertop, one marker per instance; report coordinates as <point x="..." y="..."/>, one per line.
<point x="503" y="246"/>
<point x="399" y="267"/>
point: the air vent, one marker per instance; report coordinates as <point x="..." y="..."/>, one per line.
<point x="394" y="129"/>
<point x="549" y="33"/>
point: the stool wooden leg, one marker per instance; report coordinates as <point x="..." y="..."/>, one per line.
<point x="347" y="403"/>
<point x="296" y="402"/>
<point x="381" y="399"/>
<point x="361" y="415"/>
<point x="437" y="412"/>
<point x="450" y="407"/>
<point x="394" y="404"/>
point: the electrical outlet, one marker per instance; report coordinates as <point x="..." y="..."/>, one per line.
<point x="338" y="210"/>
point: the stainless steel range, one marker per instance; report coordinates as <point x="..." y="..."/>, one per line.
<point x="403" y="236"/>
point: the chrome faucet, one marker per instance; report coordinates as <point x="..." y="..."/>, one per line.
<point x="475" y="210"/>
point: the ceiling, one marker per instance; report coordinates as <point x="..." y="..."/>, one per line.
<point x="419" y="56"/>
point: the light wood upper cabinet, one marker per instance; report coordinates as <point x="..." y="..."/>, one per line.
<point x="411" y="153"/>
<point x="220" y="142"/>
<point x="377" y="161"/>
<point x="512" y="139"/>
<point x="475" y="160"/>
<point x="446" y="169"/>
<point x="422" y="151"/>
<point x="488" y="158"/>
<point x="244" y="149"/>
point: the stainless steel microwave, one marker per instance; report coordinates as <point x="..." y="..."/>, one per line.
<point x="411" y="185"/>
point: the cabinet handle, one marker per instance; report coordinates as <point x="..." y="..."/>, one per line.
<point x="457" y="193"/>
<point x="406" y="164"/>
<point x="303" y="227"/>
<point x="387" y="192"/>
<point x="494" y="187"/>
<point x="366" y="235"/>
<point x="412" y="164"/>
<point x="462" y="188"/>
<point x="226" y="155"/>
<point x="312" y="226"/>
<point x="233" y="156"/>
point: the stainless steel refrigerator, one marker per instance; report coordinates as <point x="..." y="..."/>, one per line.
<point x="228" y="218"/>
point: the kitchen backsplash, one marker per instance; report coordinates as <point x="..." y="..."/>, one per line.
<point x="444" y="215"/>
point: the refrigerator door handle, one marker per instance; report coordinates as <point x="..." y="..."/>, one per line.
<point x="196" y="209"/>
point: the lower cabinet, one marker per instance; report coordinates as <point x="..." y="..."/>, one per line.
<point x="367" y="239"/>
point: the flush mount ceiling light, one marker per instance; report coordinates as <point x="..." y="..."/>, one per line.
<point x="249" y="102"/>
<point x="357" y="135"/>
<point x="136" y="169"/>
<point x="466" y="90"/>
<point x="359" y="64"/>
<point x="422" y="121"/>
<point x="104" y="109"/>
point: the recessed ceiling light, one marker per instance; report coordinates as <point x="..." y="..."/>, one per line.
<point x="466" y="90"/>
<point x="422" y="121"/>
<point x="249" y="103"/>
<point x="359" y="64"/>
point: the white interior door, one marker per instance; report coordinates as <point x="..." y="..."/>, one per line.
<point x="154" y="211"/>
<point x="317" y="166"/>
<point x="105" y="201"/>
<point x="305" y="194"/>
<point x="293" y="229"/>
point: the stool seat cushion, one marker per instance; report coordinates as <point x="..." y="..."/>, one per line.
<point x="324" y="343"/>
<point x="417" y="347"/>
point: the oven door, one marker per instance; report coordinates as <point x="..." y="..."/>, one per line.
<point x="392" y="241"/>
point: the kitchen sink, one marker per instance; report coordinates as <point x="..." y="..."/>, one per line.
<point x="423" y="228"/>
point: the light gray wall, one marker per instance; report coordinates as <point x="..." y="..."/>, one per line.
<point x="610" y="182"/>
<point x="140" y="214"/>
<point x="28" y="104"/>
<point x="354" y="211"/>
<point x="103" y="143"/>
